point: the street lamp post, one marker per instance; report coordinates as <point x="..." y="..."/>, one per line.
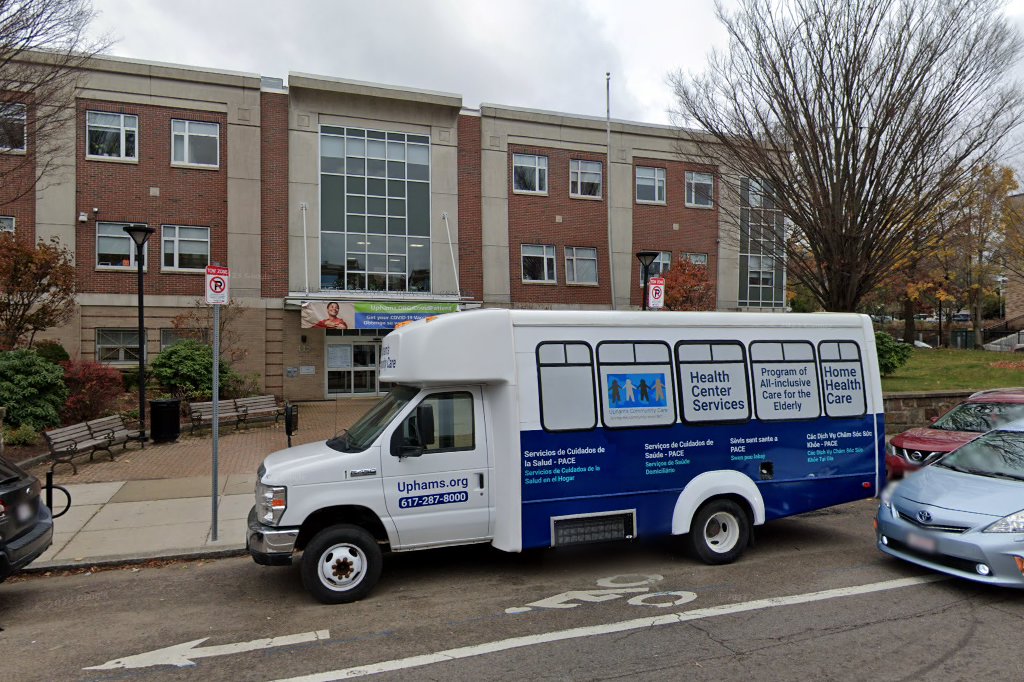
<point x="140" y="235"/>
<point x="646" y="258"/>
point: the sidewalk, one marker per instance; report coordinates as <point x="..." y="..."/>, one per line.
<point x="155" y="503"/>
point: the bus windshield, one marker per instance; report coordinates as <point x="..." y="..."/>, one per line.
<point x="369" y="426"/>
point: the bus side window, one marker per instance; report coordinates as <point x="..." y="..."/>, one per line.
<point x="842" y="379"/>
<point x="785" y="380"/>
<point x="453" y="423"/>
<point x="566" y="380"/>
<point x="713" y="381"/>
<point x="637" y="385"/>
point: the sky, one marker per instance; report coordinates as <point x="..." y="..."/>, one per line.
<point x="537" y="54"/>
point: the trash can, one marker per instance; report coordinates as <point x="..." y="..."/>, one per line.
<point x="164" y="420"/>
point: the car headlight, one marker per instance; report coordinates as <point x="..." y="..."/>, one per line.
<point x="1014" y="523"/>
<point x="271" y="501"/>
<point x="886" y="498"/>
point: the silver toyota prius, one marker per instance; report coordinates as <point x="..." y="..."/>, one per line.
<point x="963" y="514"/>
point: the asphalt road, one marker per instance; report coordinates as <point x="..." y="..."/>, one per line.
<point x="812" y="600"/>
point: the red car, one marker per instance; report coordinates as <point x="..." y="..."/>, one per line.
<point x="981" y="412"/>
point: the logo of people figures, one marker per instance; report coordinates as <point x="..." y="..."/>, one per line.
<point x="636" y="390"/>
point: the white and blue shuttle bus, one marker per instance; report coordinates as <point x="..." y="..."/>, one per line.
<point x="531" y="429"/>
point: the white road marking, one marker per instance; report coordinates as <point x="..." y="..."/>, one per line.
<point x="607" y="628"/>
<point x="182" y="655"/>
<point x="676" y="598"/>
<point x="561" y="601"/>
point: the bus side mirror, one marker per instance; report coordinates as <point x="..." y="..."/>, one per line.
<point x="425" y="424"/>
<point x="421" y="428"/>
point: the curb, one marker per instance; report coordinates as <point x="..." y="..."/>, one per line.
<point x="131" y="559"/>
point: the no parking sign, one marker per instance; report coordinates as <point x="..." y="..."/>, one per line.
<point x="217" y="285"/>
<point x="656" y="293"/>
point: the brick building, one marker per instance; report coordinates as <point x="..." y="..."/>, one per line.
<point x="343" y="207"/>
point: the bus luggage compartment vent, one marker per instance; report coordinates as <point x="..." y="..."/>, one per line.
<point x="580" y="530"/>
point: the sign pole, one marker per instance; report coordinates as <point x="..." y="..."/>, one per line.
<point x="217" y="279"/>
<point x="216" y="413"/>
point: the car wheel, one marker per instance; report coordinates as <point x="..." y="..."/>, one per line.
<point x="720" y="532"/>
<point x="341" y="564"/>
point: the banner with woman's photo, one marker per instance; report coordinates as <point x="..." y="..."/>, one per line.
<point x="367" y="314"/>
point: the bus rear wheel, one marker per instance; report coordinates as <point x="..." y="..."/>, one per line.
<point x="720" y="532"/>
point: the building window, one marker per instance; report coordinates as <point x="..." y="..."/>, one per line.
<point x="695" y="258"/>
<point x="584" y="178"/>
<point x="117" y="345"/>
<point x="195" y="143"/>
<point x="374" y="210"/>
<point x="661" y="265"/>
<point x="580" y="265"/>
<point x="6" y="223"/>
<point x="700" y="190"/>
<point x="12" y="127"/>
<point x="169" y="337"/>
<point x="762" y="238"/>
<point x="538" y="263"/>
<point x="186" y="248"/>
<point x="111" y="136"/>
<point x="650" y="185"/>
<point x="114" y="248"/>
<point x="529" y="174"/>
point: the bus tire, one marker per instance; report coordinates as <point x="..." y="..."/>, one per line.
<point x="720" y="531"/>
<point x="341" y="564"/>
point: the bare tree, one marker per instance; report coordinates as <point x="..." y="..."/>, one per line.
<point x="43" y="44"/>
<point x="859" y="119"/>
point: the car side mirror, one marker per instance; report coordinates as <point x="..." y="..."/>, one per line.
<point x="933" y="420"/>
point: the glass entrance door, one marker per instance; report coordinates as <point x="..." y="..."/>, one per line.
<point x="352" y="369"/>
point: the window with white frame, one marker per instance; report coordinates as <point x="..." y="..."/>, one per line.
<point x="195" y="143"/>
<point x="700" y="190"/>
<point x="111" y="136"/>
<point x="117" y="345"/>
<point x="529" y="174"/>
<point x="115" y="248"/>
<point x="650" y="185"/>
<point x="6" y="223"/>
<point x="580" y="265"/>
<point x="659" y="266"/>
<point x="186" y="248"/>
<point x="12" y="127"/>
<point x="696" y="258"/>
<point x="539" y="263"/>
<point x="584" y="178"/>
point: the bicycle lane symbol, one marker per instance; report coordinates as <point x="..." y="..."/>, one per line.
<point x="614" y="587"/>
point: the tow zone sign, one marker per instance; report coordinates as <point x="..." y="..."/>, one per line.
<point x="217" y="285"/>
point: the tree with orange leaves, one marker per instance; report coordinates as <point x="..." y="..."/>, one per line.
<point x="37" y="289"/>
<point x="688" y="286"/>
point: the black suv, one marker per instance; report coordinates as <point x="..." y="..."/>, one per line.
<point x="26" y="525"/>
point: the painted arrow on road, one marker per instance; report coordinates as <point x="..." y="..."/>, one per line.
<point x="184" y="654"/>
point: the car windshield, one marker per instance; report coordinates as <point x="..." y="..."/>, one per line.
<point x="999" y="454"/>
<point x="365" y="431"/>
<point x="979" y="417"/>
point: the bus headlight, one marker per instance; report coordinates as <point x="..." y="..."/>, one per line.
<point x="271" y="501"/>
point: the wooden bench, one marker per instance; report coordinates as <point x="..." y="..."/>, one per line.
<point x="116" y="430"/>
<point x="69" y="442"/>
<point x="201" y="414"/>
<point x="259" y="406"/>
